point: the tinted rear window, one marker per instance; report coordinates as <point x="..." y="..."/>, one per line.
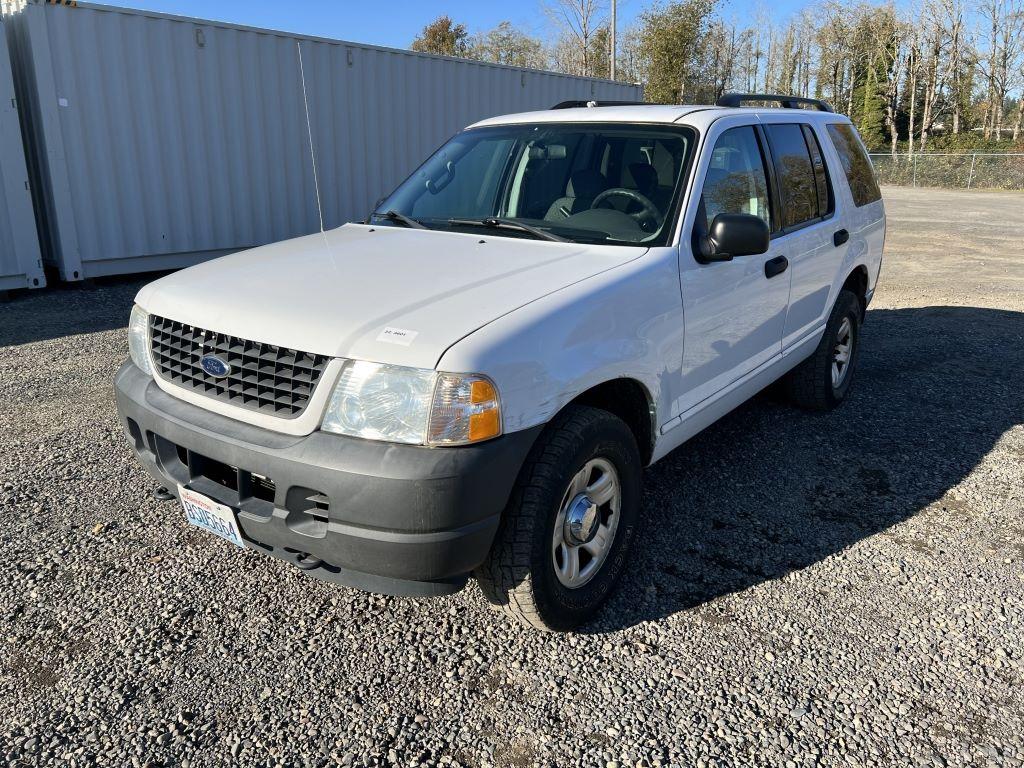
<point x="859" y="171"/>
<point x="795" y="171"/>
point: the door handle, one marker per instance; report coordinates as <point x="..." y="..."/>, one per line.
<point x="775" y="266"/>
<point x="840" y="237"/>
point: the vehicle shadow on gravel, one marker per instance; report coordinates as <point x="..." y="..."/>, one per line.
<point x="771" y="489"/>
<point x="68" y="310"/>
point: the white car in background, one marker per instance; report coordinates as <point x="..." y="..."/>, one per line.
<point x="471" y="382"/>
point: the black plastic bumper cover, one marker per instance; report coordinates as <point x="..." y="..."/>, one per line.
<point x="401" y="519"/>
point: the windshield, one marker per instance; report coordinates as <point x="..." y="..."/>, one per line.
<point x="582" y="182"/>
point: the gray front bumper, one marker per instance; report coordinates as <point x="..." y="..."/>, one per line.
<point x="396" y="519"/>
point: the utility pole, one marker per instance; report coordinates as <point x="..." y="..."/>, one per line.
<point x="612" y="67"/>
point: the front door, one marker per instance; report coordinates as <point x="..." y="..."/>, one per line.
<point x="734" y="313"/>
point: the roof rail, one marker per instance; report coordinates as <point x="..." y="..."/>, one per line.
<point x="572" y="104"/>
<point x="787" y="102"/>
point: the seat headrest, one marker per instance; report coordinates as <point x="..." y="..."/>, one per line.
<point x="586" y="183"/>
<point x="645" y="177"/>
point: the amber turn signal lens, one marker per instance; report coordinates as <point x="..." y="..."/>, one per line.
<point x="484" y="425"/>
<point x="482" y="392"/>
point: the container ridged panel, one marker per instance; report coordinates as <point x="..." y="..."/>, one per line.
<point x="170" y="147"/>
<point x="178" y="139"/>
<point x="19" y="244"/>
<point x="260" y="377"/>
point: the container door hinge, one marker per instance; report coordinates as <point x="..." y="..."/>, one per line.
<point x="27" y="187"/>
<point x="14" y="103"/>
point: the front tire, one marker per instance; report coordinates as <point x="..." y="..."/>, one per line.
<point x="569" y="526"/>
<point x="822" y="381"/>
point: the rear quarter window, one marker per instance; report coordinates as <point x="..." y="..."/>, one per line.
<point x="856" y="164"/>
<point x="821" y="180"/>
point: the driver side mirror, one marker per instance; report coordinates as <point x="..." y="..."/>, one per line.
<point x="733" y="234"/>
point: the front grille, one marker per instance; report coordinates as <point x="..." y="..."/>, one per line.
<point x="261" y="377"/>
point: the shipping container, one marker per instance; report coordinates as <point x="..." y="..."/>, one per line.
<point x="20" y="264"/>
<point x="161" y="141"/>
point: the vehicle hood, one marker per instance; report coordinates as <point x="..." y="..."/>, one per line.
<point x="386" y="294"/>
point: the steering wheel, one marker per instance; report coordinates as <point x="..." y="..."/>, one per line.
<point x="649" y="211"/>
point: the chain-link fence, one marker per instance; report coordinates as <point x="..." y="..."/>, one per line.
<point x="964" y="170"/>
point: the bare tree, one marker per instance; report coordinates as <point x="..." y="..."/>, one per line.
<point x="722" y="44"/>
<point x="834" y="43"/>
<point x="936" y="65"/>
<point x="901" y="74"/>
<point x="1004" y="24"/>
<point x="896" y="55"/>
<point x="1017" y="126"/>
<point x="913" y="64"/>
<point x="629" y="62"/>
<point x="579" y="22"/>
<point x="960" y="89"/>
<point x="507" y="45"/>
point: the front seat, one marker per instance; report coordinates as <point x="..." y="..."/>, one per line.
<point x="644" y="179"/>
<point x="584" y="185"/>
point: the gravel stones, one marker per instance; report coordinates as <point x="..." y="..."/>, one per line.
<point x="811" y="589"/>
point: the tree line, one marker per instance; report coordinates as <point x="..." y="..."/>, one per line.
<point x="937" y="74"/>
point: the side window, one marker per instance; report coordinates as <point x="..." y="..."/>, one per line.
<point x="795" y="171"/>
<point x="736" y="181"/>
<point x="821" y="181"/>
<point x="859" y="171"/>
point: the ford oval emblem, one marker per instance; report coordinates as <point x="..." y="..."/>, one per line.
<point x="214" y="366"/>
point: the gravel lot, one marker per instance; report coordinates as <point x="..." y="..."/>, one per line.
<point x="815" y="590"/>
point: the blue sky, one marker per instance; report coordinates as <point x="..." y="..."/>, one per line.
<point x="396" y="22"/>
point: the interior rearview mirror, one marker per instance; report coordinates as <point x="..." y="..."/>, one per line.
<point x="436" y="185"/>
<point x="547" y="152"/>
<point x="733" y="234"/>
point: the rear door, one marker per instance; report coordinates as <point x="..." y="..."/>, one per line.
<point x="734" y="313"/>
<point x="863" y="211"/>
<point x="810" y="237"/>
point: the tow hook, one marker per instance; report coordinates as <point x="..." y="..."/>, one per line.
<point x="307" y="562"/>
<point x="160" y="493"/>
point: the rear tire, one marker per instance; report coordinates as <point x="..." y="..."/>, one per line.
<point x="822" y="381"/>
<point x="538" y="571"/>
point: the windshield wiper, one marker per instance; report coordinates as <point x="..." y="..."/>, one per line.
<point x="496" y="223"/>
<point x="401" y="218"/>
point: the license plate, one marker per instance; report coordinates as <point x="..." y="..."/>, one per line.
<point x="203" y="512"/>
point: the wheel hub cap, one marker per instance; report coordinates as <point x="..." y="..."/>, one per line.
<point x="581" y="520"/>
<point x="842" y="352"/>
<point x="587" y="520"/>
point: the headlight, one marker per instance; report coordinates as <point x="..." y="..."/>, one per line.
<point x="138" y="339"/>
<point x="412" y="405"/>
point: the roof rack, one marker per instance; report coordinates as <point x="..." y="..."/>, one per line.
<point x="573" y="104"/>
<point x="787" y="102"/>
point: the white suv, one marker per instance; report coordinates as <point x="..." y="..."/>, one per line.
<point x="471" y="382"/>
